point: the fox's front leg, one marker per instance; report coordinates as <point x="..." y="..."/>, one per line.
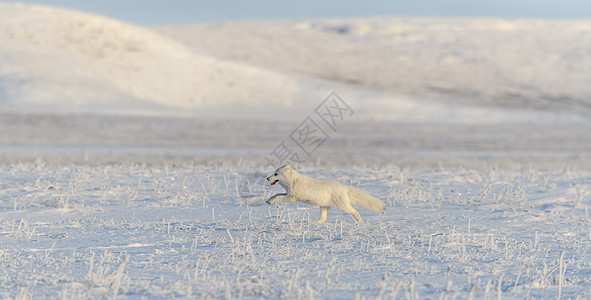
<point x="281" y="198"/>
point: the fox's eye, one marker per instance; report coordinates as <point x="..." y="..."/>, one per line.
<point x="275" y="174"/>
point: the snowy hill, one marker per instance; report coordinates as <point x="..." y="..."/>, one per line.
<point x="53" y="57"/>
<point x="409" y="70"/>
<point x="541" y="64"/>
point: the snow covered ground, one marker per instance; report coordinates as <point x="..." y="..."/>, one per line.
<point x="195" y="231"/>
<point x="132" y="160"/>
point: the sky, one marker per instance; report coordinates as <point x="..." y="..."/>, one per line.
<point x="162" y="12"/>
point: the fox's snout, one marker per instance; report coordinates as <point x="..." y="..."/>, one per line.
<point x="274" y="181"/>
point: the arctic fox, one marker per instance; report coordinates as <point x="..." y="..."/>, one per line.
<point x="325" y="193"/>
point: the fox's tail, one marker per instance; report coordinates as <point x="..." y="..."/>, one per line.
<point x="361" y="198"/>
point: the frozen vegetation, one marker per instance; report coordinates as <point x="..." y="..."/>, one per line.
<point x="132" y="160"/>
<point x="131" y="230"/>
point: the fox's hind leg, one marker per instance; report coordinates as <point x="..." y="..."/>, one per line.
<point x="323" y="213"/>
<point x="349" y="209"/>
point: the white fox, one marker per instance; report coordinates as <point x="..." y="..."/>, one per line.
<point x="325" y="193"/>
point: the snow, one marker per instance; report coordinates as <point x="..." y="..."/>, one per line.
<point x="132" y="160"/>
<point x="386" y="68"/>
<point x="539" y="64"/>
<point x="195" y="231"/>
<point x="52" y="56"/>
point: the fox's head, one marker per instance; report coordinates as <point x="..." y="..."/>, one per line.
<point x="281" y="175"/>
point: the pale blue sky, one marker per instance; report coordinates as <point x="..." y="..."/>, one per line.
<point x="161" y="12"/>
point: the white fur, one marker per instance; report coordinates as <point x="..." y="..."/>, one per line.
<point x="324" y="193"/>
